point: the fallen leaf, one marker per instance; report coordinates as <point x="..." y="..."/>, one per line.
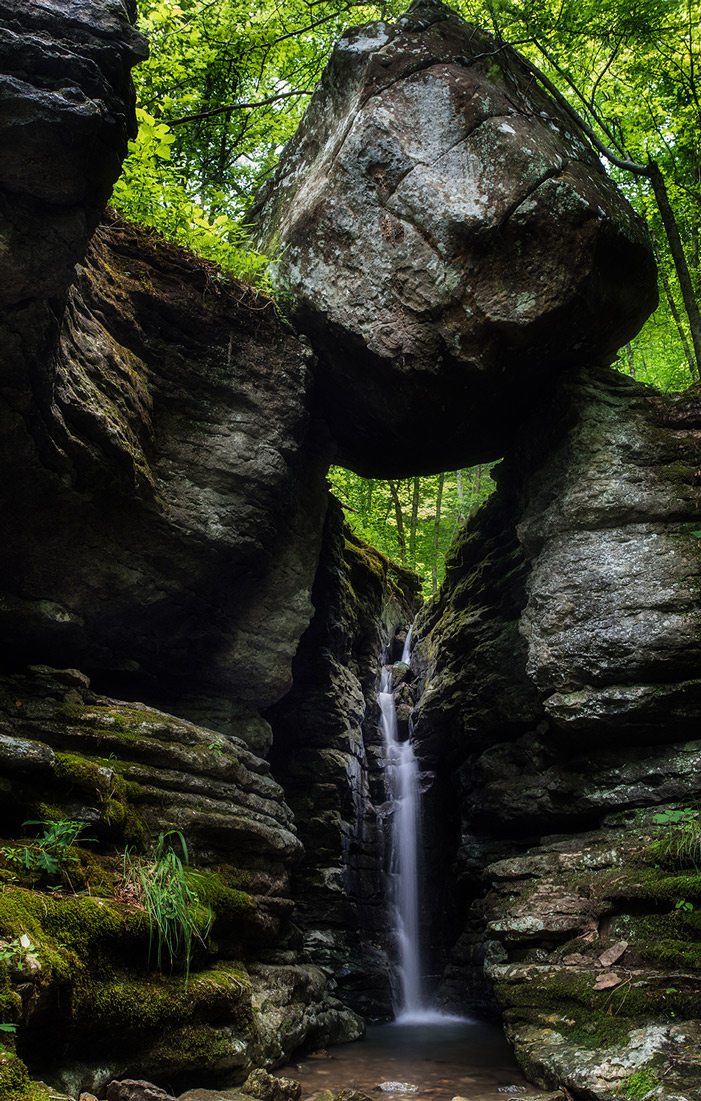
<point x="613" y="953"/>
<point x="607" y="980"/>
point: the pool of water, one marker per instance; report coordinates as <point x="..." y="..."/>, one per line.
<point x="469" y="1059"/>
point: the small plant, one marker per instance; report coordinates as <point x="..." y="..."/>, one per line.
<point x="681" y="843"/>
<point x="175" y="916"/>
<point x="7" y="1030"/>
<point x="682" y="904"/>
<point x="14" y="952"/>
<point x="51" y="854"/>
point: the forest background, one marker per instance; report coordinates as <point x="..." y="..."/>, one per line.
<point x="227" y="82"/>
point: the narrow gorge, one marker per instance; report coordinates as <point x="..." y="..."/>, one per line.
<point x="490" y="818"/>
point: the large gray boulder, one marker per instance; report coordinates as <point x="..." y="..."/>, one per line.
<point x="448" y="240"/>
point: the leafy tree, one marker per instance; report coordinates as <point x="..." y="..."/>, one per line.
<point x="413" y="520"/>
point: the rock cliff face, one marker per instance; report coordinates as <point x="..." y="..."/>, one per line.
<point x="573" y="723"/>
<point x="86" y="996"/>
<point x="449" y="242"/>
<point x="327" y="754"/>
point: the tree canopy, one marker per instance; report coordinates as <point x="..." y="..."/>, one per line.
<point x="227" y="82"/>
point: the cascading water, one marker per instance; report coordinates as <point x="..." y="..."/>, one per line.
<point x="402" y="783"/>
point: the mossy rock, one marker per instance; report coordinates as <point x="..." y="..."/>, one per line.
<point x="67" y="932"/>
<point x="228" y="904"/>
<point x="132" y="1005"/>
<point x="16" y="1085"/>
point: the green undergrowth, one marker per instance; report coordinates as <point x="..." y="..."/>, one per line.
<point x="15" y="1083"/>
<point x="639" y="1084"/>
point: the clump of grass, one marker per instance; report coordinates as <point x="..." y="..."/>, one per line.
<point x="681" y="843"/>
<point x="176" y="917"/>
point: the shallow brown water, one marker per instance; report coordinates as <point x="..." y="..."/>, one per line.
<point x="466" y="1058"/>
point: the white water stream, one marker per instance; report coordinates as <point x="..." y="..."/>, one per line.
<point x="403" y="790"/>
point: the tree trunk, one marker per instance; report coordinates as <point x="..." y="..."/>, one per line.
<point x="436" y="533"/>
<point x="676" y="316"/>
<point x="630" y="356"/>
<point x="669" y="222"/>
<point x="415" y="498"/>
<point x="399" y="517"/>
<point x="461" y="496"/>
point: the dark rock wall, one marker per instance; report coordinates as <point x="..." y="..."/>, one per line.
<point x="176" y="541"/>
<point x="560" y="668"/>
<point x="449" y="242"/>
<point x="327" y="754"/>
<point x="89" y="1002"/>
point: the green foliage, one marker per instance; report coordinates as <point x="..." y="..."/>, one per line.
<point x="52" y="854"/>
<point x="412" y="520"/>
<point x="156" y="195"/>
<point x="639" y="1084"/>
<point x="175" y="916"/>
<point x="681" y="842"/>
<point x="14" y="952"/>
<point x="8" y="1030"/>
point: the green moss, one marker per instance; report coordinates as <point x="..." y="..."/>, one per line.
<point x="159" y="1003"/>
<point x="192" y="1047"/>
<point x="639" y="1084"/>
<point x="111" y="723"/>
<point x="228" y="904"/>
<point x="82" y="772"/>
<point x="101" y="777"/>
<point x="591" y="1017"/>
<point x="67" y="931"/>
<point x="672" y="939"/>
<point x="15" y="1083"/>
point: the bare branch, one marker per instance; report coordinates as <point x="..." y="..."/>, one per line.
<point x="225" y="108"/>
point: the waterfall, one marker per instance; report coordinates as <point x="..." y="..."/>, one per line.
<point x="406" y="650"/>
<point x="402" y="784"/>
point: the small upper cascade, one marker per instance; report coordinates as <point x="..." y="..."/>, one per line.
<point x="406" y="650"/>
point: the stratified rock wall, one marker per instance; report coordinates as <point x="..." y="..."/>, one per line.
<point x="179" y="544"/>
<point x="561" y="680"/>
<point x="449" y="242"/>
<point x="327" y="755"/>
<point x="89" y="1002"/>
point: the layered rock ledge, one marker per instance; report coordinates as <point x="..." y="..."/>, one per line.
<point x="561" y="688"/>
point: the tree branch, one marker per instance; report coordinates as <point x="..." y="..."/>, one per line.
<point x="225" y="108"/>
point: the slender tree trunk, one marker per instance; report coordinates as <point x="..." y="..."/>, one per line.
<point x="669" y="222"/>
<point x="676" y="316"/>
<point x="399" y="517"/>
<point x="461" y="496"/>
<point x="415" y="498"/>
<point x="436" y="533"/>
<point x="630" y="356"/>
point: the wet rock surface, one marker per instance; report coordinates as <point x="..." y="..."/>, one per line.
<point x="327" y="756"/>
<point x="560" y="669"/>
<point x="92" y="1007"/>
<point x="449" y="241"/>
<point x="172" y="538"/>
